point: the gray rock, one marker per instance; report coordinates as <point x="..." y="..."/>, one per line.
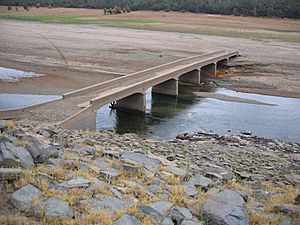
<point x="226" y="208"/>
<point x="127" y="220"/>
<point x="26" y="160"/>
<point x="176" y="216"/>
<point x="22" y="198"/>
<point x="200" y="182"/>
<point x="211" y="169"/>
<point x="112" y="205"/>
<point x="101" y="164"/>
<point x="167" y="221"/>
<point x="79" y="182"/>
<point x="288" y="209"/>
<point x="109" y="173"/>
<point x="37" y="151"/>
<point x="190" y="190"/>
<point x="186" y="213"/>
<point x="154" y="214"/>
<point x="297" y="200"/>
<point x="86" y="150"/>
<point x="192" y="222"/>
<point x="286" y="221"/>
<point x="7" y="158"/>
<point x="176" y="171"/>
<point x="139" y="158"/>
<point x="56" y="207"/>
<point x="162" y="207"/>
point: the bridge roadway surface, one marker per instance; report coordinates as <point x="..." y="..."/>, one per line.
<point x="76" y="105"/>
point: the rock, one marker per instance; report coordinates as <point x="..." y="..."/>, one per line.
<point x="154" y="187"/>
<point x="139" y="158"/>
<point x="211" y="169"/>
<point x="153" y="213"/>
<point x="7" y="174"/>
<point x="7" y="158"/>
<point x="127" y="220"/>
<point x="226" y="208"/>
<point x="286" y="221"/>
<point x="112" y="205"/>
<point x="79" y="182"/>
<point x="37" y="151"/>
<point x="176" y="171"/>
<point x="186" y="213"/>
<point x="288" y="209"/>
<point x="56" y="207"/>
<point x="200" y="182"/>
<point x="293" y="178"/>
<point x="26" y="161"/>
<point x="101" y="164"/>
<point x="110" y="173"/>
<point x="192" y="222"/>
<point x="3" y="126"/>
<point x="176" y="216"/>
<point x="162" y="207"/>
<point x="167" y="221"/>
<point x="22" y="198"/>
<point x="86" y="150"/>
<point x="297" y="200"/>
<point x="190" y="190"/>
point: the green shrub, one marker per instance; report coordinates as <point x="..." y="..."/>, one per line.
<point x="9" y="8"/>
<point x="38" y="5"/>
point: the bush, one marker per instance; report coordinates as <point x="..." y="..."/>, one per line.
<point x="38" y="5"/>
<point x="128" y="9"/>
<point x="117" y="9"/>
<point x="9" y="8"/>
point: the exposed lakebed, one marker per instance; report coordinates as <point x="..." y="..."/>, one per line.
<point x="167" y="116"/>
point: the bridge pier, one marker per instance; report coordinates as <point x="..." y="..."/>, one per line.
<point x="135" y="102"/>
<point x="193" y="77"/>
<point x="209" y="70"/>
<point x="169" y="87"/>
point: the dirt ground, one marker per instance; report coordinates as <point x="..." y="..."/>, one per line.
<point x="73" y="55"/>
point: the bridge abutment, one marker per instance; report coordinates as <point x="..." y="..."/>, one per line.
<point x="193" y="77"/>
<point x="169" y="87"/>
<point x="135" y="102"/>
<point x="209" y="70"/>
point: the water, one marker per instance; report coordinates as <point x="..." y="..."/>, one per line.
<point x="14" y="101"/>
<point x="12" y="75"/>
<point x="168" y="116"/>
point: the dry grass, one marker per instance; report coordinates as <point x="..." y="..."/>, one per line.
<point x="21" y="143"/>
<point x="100" y="218"/>
<point x="178" y="196"/>
<point x="173" y="180"/>
<point x="260" y="218"/>
<point x="15" y="220"/>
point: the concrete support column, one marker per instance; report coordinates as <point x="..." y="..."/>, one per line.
<point x="169" y="87"/>
<point x="135" y="102"/>
<point x="193" y="77"/>
<point x="209" y="70"/>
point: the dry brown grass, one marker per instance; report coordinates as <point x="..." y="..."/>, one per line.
<point x="100" y="218"/>
<point x="178" y="196"/>
<point x="15" y="220"/>
<point x="173" y="180"/>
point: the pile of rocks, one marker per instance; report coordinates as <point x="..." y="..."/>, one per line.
<point x="72" y="177"/>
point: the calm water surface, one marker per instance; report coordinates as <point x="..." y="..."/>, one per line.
<point x="14" y="101"/>
<point x="12" y="75"/>
<point x="168" y="116"/>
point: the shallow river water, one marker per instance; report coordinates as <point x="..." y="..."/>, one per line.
<point x="168" y="116"/>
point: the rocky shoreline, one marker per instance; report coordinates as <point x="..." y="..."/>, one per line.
<point x="53" y="176"/>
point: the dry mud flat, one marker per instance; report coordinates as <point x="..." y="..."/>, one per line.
<point x="75" y="177"/>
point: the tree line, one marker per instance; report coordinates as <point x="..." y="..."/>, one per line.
<point x="266" y="8"/>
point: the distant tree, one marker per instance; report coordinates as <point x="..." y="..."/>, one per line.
<point x="117" y="9"/>
<point x="38" y="5"/>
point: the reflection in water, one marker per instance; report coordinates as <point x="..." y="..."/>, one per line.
<point x="168" y="116"/>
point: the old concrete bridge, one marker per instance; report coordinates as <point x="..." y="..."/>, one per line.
<point x="129" y="91"/>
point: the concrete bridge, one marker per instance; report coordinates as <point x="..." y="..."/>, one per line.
<point x="129" y="91"/>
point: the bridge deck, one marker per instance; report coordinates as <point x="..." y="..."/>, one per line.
<point x="93" y="97"/>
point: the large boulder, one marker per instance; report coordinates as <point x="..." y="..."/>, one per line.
<point x="22" y="198"/>
<point x="57" y="208"/>
<point x="226" y="208"/>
